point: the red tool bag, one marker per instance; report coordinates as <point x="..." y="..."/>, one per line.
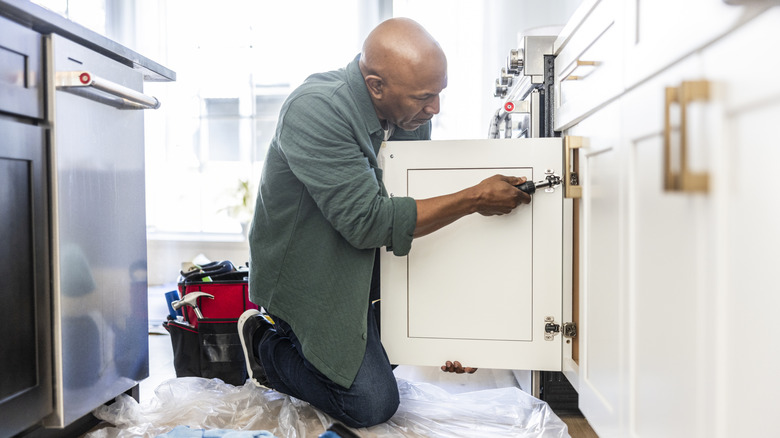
<point x="228" y="285"/>
<point x="210" y="346"/>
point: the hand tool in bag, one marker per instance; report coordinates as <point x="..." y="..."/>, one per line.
<point x="191" y="299"/>
<point x="199" y="272"/>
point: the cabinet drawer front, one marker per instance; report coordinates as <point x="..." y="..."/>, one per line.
<point x="661" y="32"/>
<point x="21" y="70"/>
<point x="587" y="67"/>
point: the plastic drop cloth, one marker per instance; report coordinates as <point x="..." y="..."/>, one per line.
<point x="425" y="411"/>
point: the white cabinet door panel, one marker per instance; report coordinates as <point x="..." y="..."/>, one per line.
<point x="671" y="244"/>
<point x="454" y="266"/>
<point x="603" y="303"/>
<point x="478" y="290"/>
<point x="746" y="280"/>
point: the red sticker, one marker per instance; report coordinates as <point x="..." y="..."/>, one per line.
<point x="509" y="106"/>
<point x="84" y="78"/>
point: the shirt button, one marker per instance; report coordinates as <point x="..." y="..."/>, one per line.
<point x="365" y="336"/>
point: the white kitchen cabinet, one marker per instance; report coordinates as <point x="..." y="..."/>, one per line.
<point x="483" y="289"/>
<point x="684" y="260"/>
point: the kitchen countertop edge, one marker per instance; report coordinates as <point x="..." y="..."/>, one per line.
<point x="45" y="22"/>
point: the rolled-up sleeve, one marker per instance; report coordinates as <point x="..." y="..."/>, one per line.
<point x="404" y="222"/>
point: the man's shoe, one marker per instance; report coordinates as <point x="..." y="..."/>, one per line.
<point x="252" y="325"/>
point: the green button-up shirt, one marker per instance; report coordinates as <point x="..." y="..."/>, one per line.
<point x="321" y="212"/>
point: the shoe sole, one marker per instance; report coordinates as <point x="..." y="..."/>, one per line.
<point x="241" y="320"/>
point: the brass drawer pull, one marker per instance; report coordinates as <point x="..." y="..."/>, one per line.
<point x="590" y="65"/>
<point x="683" y="180"/>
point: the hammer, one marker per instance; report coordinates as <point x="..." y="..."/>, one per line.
<point x="191" y="300"/>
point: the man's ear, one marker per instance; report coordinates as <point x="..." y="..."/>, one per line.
<point x="375" y="86"/>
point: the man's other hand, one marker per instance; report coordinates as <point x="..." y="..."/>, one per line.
<point x="457" y="368"/>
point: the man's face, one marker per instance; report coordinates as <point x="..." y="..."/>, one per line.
<point x="411" y="99"/>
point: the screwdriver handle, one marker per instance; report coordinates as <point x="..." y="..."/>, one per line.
<point x="528" y="187"/>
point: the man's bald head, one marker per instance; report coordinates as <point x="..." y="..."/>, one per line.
<point x="399" y="42"/>
<point x="402" y="63"/>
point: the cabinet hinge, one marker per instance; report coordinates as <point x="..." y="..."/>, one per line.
<point x="551" y="329"/>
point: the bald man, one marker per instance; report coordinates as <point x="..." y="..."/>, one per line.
<point x="322" y="215"/>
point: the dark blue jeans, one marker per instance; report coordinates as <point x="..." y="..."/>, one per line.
<point x="372" y="398"/>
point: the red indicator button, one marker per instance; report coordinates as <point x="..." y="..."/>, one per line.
<point x="84" y="78"/>
<point x="509" y="106"/>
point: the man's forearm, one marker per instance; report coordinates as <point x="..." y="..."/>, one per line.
<point x="435" y="213"/>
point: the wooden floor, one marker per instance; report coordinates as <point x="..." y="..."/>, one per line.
<point x="579" y="427"/>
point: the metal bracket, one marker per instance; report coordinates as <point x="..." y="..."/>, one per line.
<point x="571" y="180"/>
<point x="569" y="330"/>
<point x="551" y="329"/>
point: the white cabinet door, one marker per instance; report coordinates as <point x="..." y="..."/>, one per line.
<point x="602" y="297"/>
<point x="478" y="290"/>
<point x="746" y="286"/>
<point x="671" y="247"/>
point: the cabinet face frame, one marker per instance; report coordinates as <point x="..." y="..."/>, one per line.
<point x="531" y="157"/>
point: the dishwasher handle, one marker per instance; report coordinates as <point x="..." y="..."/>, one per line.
<point x="125" y="98"/>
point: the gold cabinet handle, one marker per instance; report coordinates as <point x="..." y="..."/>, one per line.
<point x="683" y="180"/>
<point x="572" y="145"/>
<point x="579" y="63"/>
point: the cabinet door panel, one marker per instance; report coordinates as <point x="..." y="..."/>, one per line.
<point x="602" y="290"/>
<point x="478" y="290"/>
<point x="671" y="243"/>
<point x="746" y="279"/>
<point x="25" y="368"/>
<point x="454" y="264"/>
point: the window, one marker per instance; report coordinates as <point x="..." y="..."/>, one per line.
<point x="236" y="62"/>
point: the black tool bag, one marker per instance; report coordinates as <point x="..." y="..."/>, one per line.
<point x="212" y="350"/>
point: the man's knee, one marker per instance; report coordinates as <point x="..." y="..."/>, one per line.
<point x="374" y="410"/>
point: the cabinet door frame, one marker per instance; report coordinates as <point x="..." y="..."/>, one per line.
<point x="26" y="143"/>
<point x="496" y="154"/>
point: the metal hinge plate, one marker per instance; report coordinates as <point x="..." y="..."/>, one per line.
<point x="551" y="329"/>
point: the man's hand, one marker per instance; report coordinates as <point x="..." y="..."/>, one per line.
<point x="457" y="368"/>
<point x="499" y="195"/>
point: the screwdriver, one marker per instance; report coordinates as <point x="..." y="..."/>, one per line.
<point x="530" y="186"/>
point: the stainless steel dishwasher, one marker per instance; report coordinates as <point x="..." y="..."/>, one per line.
<point x="98" y="228"/>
